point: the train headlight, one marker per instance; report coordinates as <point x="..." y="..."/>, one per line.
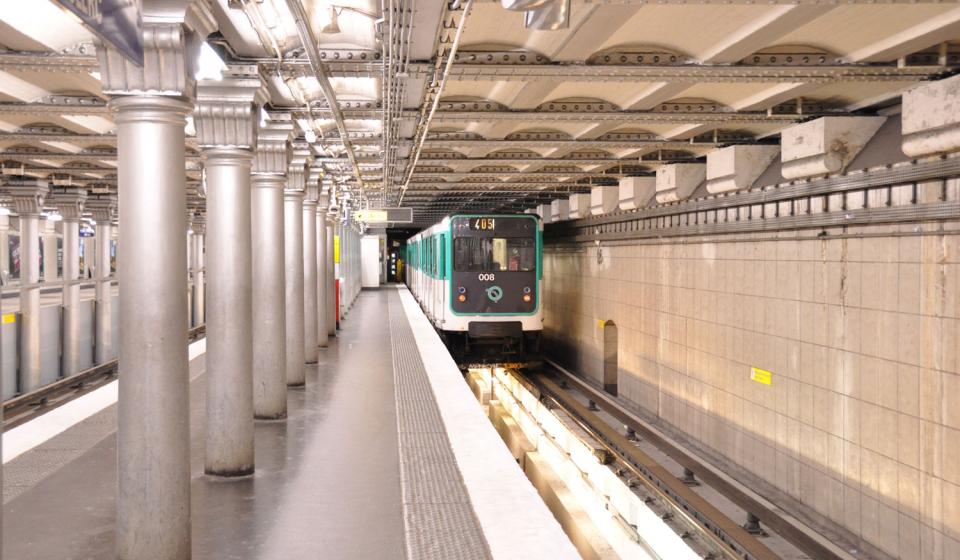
<point x="526" y="289"/>
<point x="526" y="298"/>
<point x="461" y="298"/>
<point x="463" y="294"/>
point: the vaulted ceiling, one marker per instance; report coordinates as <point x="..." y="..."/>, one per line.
<point x="483" y="112"/>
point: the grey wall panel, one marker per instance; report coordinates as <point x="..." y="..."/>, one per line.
<point x="8" y="356"/>
<point x="49" y="344"/>
<point x="87" y="320"/>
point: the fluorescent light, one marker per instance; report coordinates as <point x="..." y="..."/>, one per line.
<point x="54" y="217"/>
<point x="64" y="146"/>
<point x="310" y="136"/>
<point x="326" y="19"/>
<point x="93" y="123"/>
<point x="20" y="89"/>
<point x="263" y="117"/>
<point x="210" y="66"/>
<point x="4" y="211"/>
<point x="42" y="21"/>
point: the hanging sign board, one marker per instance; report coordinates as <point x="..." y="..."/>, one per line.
<point x="384" y="215"/>
<point x="116" y="22"/>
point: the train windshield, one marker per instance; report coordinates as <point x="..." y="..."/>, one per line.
<point x="494" y="254"/>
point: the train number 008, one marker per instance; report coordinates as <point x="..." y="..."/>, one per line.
<point x="486" y="277"/>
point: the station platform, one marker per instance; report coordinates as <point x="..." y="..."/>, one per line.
<point x="385" y="454"/>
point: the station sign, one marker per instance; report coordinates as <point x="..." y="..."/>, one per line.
<point x="384" y="216"/>
<point x="116" y="22"/>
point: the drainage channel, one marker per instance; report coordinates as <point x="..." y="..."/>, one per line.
<point x="610" y="502"/>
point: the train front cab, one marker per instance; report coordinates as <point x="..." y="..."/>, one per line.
<point x="494" y="288"/>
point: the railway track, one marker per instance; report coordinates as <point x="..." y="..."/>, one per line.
<point x="27" y="406"/>
<point x="673" y="498"/>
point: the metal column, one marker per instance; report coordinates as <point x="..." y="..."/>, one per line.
<point x="28" y="197"/>
<point x="293" y="256"/>
<point x="104" y="211"/>
<point x="226" y="122"/>
<point x="199" y="274"/>
<point x="229" y="449"/>
<point x="153" y="436"/>
<point x="331" y="279"/>
<point x="322" y="277"/>
<point x="310" y="329"/>
<point x="70" y="206"/>
<point x="269" y="310"/>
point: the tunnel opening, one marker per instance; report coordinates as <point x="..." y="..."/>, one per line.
<point x="610" y="358"/>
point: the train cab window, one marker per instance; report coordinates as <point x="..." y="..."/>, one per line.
<point x="494" y="254"/>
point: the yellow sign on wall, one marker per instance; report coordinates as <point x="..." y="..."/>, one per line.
<point x="761" y="376"/>
<point x="9" y="318"/>
<point x="336" y="249"/>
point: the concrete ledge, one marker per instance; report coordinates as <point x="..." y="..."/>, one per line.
<point x="931" y="118"/>
<point x="515" y="521"/>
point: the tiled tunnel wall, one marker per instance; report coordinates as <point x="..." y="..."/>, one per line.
<point x="861" y="422"/>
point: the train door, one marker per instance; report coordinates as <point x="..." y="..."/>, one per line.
<point x="442" y="287"/>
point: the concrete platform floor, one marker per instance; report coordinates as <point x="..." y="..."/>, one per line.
<point x="327" y="483"/>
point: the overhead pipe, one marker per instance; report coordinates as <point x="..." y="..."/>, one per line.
<point x="425" y="126"/>
<point x="320" y="72"/>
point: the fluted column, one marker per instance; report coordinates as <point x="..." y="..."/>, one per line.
<point x="322" y="277"/>
<point x="311" y="351"/>
<point x="151" y="103"/>
<point x="69" y="203"/>
<point x="226" y="118"/>
<point x="293" y="257"/>
<point x="104" y="212"/>
<point x="269" y="310"/>
<point x="28" y="196"/>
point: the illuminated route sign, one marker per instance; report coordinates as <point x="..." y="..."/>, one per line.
<point x="116" y="22"/>
<point x="384" y="215"/>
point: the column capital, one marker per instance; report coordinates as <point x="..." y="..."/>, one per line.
<point x="227" y="113"/>
<point x="300" y="159"/>
<point x="311" y="194"/>
<point x="173" y="31"/>
<point x="28" y="195"/>
<point x="69" y="202"/>
<point x="103" y="208"/>
<point x="273" y="145"/>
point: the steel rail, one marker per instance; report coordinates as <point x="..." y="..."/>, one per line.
<point x="724" y="532"/>
<point x="790" y="529"/>
<point x="27" y="406"/>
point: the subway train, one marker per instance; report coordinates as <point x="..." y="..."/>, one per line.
<point x="478" y="279"/>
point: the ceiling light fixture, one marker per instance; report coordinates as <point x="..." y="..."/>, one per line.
<point x="209" y="66"/>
